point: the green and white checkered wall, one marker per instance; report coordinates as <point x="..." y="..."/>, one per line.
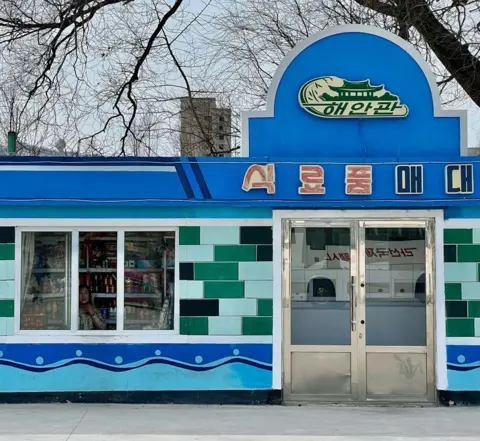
<point x="7" y="280"/>
<point x="226" y="279"/>
<point x="462" y="281"/>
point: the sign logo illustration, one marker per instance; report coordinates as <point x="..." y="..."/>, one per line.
<point x="333" y="97"/>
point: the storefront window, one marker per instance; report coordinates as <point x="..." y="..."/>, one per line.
<point x="134" y="293"/>
<point x="97" y="309"/>
<point x="45" y="281"/>
<point x="149" y="280"/>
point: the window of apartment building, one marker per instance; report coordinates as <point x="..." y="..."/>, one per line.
<point x="97" y="281"/>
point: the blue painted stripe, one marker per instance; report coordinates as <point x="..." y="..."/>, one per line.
<point x="200" y="178"/>
<point x="126" y="212"/>
<point x="184" y="181"/>
<point x="192" y="179"/>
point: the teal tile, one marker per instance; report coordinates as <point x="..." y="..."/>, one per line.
<point x="467" y="291"/>
<point x="237" y="307"/>
<point x="216" y="271"/>
<point x="7" y="251"/>
<point x="220" y="235"/>
<point x="257" y="325"/>
<point x="235" y="253"/>
<point x="221" y="289"/>
<point x="460" y="327"/>
<point x="265" y="307"/>
<point x="7" y="290"/>
<point x="453" y="291"/>
<point x="7" y="269"/>
<point x="259" y="289"/>
<point x="460" y="272"/>
<point x="456" y="236"/>
<point x="255" y="271"/>
<point x="194" y="325"/>
<point x="195" y="253"/>
<point x="189" y="235"/>
<point x="6" y="308"/>
<point x="191" y="289"/>
<point x="224" y="325"/>
<point x="473" y="308"/>
<point x="468" y="253"/>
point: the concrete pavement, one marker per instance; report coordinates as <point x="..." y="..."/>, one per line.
<point x="103" y="422"/>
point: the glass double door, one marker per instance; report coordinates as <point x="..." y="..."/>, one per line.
<point x="358" y="310"/>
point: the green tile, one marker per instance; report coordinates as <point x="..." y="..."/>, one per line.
<point x="453" y="291"/>
<point x="223" y="290"/>
<point x="456" y="308"/>
<point x="194" y="325"/>
<point x="189" y="235"/>
<point x="215" y="271"/>
<point x="468" y="253"/>
<point x="461" y="327"/>
<point x="456" y="236"/>
<point x="474" y="308"/>
<point x="7" y="251"/>
<point x="6" y="308"/>
<point x="265" y="307"/>
<point x="236" y="253"/>
<point x="450" y="253"/>
<point x="257" y="325"/>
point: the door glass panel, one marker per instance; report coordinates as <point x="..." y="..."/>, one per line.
<point x="395" y="286"/>
<point x="320" y="286"/>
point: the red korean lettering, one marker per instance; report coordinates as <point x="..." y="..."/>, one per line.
<point x="258" y="177"/>
<point x="408" y="252"/>
<point x="345" y="257"/>
<point x="370" y="252"/>
<point x="358" y="179"/>
<point x="336" y="256"/>
<point x="394" y="252"/>
<point x="382" y="252"/>
<point x="312" y="178"/>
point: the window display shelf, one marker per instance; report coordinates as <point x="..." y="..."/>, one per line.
<point x="50" y="295"/>
<point x="47" y="270"/>
<point x="97" y="270"/>
<point x="105" y="295"/>
<point x="146" y="270"/>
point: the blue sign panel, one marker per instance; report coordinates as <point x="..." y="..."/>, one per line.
<point x="353" y="119"/>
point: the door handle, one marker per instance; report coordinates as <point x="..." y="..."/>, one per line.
<point x="353" y="320"/>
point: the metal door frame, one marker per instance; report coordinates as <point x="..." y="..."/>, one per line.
<point x="358" y="348"/>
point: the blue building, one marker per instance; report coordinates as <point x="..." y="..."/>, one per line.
<point x="336" y="260"/>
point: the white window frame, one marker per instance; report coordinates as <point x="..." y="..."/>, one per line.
<point x="74" y="280"/>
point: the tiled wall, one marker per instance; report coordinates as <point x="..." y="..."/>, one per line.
<point x="226" y="280"/>
<point x="7" y="276"/>
<point x="462" y="282"/>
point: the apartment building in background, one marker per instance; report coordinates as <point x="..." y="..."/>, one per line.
<point x="205" y="129"/>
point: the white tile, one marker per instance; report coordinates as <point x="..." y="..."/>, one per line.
<point x="224" y="325"/>
<point x="238" y="307"/>
<point x="191" y="289"/>
<point x="220" y="235"/>
<point x="258" y="289"/>
<point x="196" y="253"/>
<point x="255" y="271"/>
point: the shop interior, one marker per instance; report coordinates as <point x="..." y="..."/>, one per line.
<point x="148" y="275"/>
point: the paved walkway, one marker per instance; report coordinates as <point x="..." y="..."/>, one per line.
<point x="77" y="422"/>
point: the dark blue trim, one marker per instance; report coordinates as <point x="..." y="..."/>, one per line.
<point x="200" y="179"/>
<point x="111" y="368"/>
<point x="184" y="180"/>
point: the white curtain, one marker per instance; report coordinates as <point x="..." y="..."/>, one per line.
<point x="27" y="259"/>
